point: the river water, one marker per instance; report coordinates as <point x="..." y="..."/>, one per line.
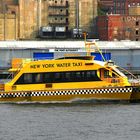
<point x="70" y="121"/>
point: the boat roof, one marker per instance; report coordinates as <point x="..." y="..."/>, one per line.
<point x="101" y="63"/>
<point x="90" y="59"/>
<point x="77" y="57"/>
<point x="84" y="58"/>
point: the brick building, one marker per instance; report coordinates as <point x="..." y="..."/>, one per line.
<point x="134" y="9"/>
<point x="106" y="3"/>
<point x="119" y="27"/>
<point x="122" y="6"/>
<point x="119" y="6"/>
<point x="106" y="6"/>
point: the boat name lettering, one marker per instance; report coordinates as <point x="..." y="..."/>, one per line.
<point x="47" y="65"/>
<point x="77" y="64"/>
<point x="69" y="64"/>
<point x="56" y="65"/>
<point x="63" y="65"/>
<point x="35" y="66"/>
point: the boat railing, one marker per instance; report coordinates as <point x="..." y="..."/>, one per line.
<point x="15" y="72"/>
<point x="132" y="79"/>
<point x="18" y="70"/>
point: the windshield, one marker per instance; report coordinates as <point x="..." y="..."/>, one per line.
<point x="119" y="71"/>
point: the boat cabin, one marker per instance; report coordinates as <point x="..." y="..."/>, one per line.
<point x="64" y="73"/>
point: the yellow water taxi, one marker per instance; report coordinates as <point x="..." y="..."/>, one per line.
<point x="67" y="79"/>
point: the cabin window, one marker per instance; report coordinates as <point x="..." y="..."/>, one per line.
<point x="114" y="74"/>
<point x="88" y="74"/>
<point x="47" y="78"/>
<point x="38" y="78"/>
<point x="58" y="77"/>
<point x="67" y="76"/>
<point x="25" y="79"/>
<point x="78" y="75"/>
<point x="106" y="74"/>
<point x="28" y="78"/>
<point x="83" y="75"/>
<point x="91" y="74"/>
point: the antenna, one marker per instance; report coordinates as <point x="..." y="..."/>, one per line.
<point x="88" y="46"/>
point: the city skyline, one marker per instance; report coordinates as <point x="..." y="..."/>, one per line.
<point x="31" y="19"/>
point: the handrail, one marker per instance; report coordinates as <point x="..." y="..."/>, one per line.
<point x="128" y="72"/>
<point x="15" y="73"/>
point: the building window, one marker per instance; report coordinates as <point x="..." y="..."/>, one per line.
<point x="123" y="4"/>
<point x="137" y="39"/>
<point x="119" y="4"/>
<point x="67" y="12"/>
<point x="137" y="32"/>
<point x="67" y="20"/>
<point x="137" y="23"/>
<point x="67" y="3"/>
<point x="123" y="11"/>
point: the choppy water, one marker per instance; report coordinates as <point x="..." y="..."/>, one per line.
<point x="69" y="121"/>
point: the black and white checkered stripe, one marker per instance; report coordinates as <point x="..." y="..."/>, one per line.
<point x="82" y="91"/>
<point x="67" y="92"/>
<point x="18" y="94"/>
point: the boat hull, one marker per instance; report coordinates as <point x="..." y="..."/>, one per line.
<point x="135" y="96"/>
<point x="69" y="95"/>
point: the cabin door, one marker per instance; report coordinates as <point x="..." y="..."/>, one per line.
<point x="105" y="74"/>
